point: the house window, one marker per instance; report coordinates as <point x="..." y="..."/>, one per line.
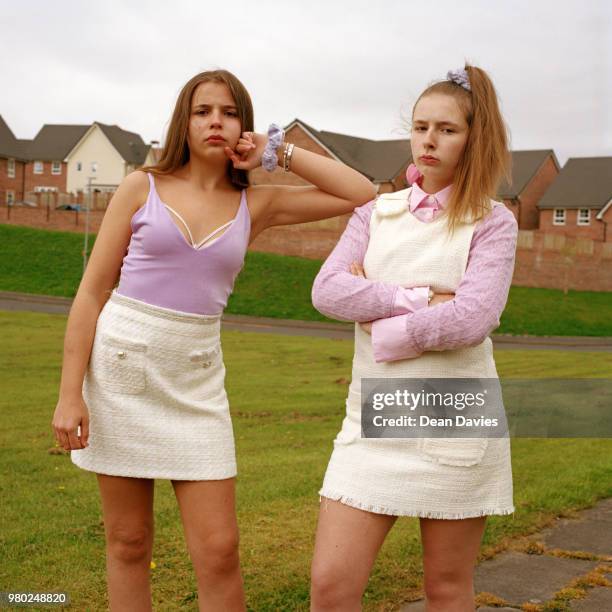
<point x="10" y="168"/>
<point x="94" y="167"/>
<point x="584" y="216"/>
<point x="38" y="167"/>
<point x="56" y="168"/>
<point x="79" y="166"/>
<point x="559" y="216"/>
<point x="44" y="189"/>
<point x="10" y="197"/>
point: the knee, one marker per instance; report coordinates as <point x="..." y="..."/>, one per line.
<point x="331" y="589"/>
<point x="218" y="554"/>
<point x="130" y="544"/>
<point x="448" y="586"/>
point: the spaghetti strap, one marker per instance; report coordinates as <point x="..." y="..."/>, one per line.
<point x="214" y="233"/>
<point x="183" y="222"/>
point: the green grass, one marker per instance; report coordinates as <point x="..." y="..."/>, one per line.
<point x="287" y="403"/>
<point x="46" y="262"/>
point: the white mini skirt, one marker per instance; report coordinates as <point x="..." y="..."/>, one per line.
<point x="155" y="392"/>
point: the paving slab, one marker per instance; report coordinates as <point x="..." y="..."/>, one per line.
<point x="598" y="599"/>
<point x="592" y="532"/>
<point x="519" y="578"/>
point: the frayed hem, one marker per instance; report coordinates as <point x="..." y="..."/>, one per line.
<point x="414" y="512"/>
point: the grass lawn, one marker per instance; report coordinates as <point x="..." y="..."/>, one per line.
<point x="287" y="404"/>
<point x="45" y="262"/>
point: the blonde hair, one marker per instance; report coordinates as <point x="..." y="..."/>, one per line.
<point x="486" y="159"/>
<point x="175" y="153"/>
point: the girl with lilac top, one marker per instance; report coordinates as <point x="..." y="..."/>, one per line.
<point x="425" y="274"/>
<point x="142" y="391"/>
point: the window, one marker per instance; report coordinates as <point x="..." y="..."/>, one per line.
<point x="79" y="166"/>
<point x="38" y="167"/>
<point x="10" y="197"/>
<point x="584" y="216"/>
<point x="94" y="167"/>
<point x="56" y="168"/>
<point x="10" y="168"/>
<point x="559" y="216"/>
<point x="43" y="189"/>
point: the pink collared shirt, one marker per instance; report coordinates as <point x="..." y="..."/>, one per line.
<point x="403" y="326"/>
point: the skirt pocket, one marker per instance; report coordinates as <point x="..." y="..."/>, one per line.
<point x="119" y="364"/>
<point x="197" y="374"/>
<point x="453" y="451"/>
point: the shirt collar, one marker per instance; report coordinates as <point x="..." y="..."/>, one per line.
<point x="417" y="195"/>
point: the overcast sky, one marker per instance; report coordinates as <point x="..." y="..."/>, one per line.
<point x="349" y="66"/>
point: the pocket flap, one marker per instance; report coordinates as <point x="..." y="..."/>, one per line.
<point x="118" y="342"/>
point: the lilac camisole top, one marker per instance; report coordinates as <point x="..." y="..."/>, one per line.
<point x="162" y="268"/>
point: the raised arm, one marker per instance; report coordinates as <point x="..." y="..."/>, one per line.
<point x="479" y="300"/>
<point x="338" y="294"/>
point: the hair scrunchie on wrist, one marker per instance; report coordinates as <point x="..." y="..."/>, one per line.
<point x="269" y="159"/>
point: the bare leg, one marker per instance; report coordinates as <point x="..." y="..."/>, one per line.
<point x="208" y="511"/>
<point x="127" y="506"/>
<point x="450" y="549"/>
<point x="347" y="542"/>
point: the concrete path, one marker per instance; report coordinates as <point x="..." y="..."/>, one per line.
<point x="567" y="567"/>
<point x="288" y="327"/>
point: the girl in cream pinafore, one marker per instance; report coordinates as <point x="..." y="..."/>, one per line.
<point x="425" y="477"/>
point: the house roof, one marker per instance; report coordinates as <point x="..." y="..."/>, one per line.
<point x="55" y="142"/>
<point x="525" y="164"/>
<point x="9" y="145"/>
<point x="129" y="144"/>
<point x="379" y="160"/>
<point x="584" y="182"/>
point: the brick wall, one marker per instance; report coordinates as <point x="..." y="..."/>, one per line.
<point x="596" y="230"/>
<point x="11" y="184"/>
<point x="46" y="179"/>
<point x="528" y="215"/>
<point x="543" y="259"/>
<point x="45" y="217"/>
<point x="556" y="261"/>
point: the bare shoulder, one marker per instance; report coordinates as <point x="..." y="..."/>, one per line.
<point x="132" y="193"/>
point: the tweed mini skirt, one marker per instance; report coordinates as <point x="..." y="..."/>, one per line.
<point x="155" y="392"/>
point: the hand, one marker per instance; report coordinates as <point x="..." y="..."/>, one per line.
<point x="69" y="414"/>
<point x="438" y="298"/>
<point x="249" y="151"/>
<point x="367" y="327"/>
<point x="357" y="269"/>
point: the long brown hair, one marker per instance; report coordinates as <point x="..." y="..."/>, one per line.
<point x="486" y="158"/>
<point x="175" y="153"/>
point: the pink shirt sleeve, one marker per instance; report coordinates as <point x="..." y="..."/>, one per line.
<point x="476" y="308"/>
<point x="338" y="294"/>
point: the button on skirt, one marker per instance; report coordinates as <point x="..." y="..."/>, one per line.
<point x="155" y="392"/>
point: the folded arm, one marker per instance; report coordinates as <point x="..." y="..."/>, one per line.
<point x="338" y="294"/>
<point x="476" y="308"/>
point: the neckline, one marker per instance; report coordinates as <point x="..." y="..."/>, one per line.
<point x="200" y="246"/>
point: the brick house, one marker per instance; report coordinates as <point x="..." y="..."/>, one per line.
<point x="104" y="155"/>
<point x="62" y="159"/>
<point x="13" y="158"/>
<point x="532" y="174"/>
<point x="579" y="202"/>
<point x="384" y="162"/>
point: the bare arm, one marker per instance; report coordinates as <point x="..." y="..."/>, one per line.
<point x="336" y="189"/>
<point x="97" y="283"/>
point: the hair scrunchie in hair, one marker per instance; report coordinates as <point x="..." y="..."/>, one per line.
<point x="459" y="76"/>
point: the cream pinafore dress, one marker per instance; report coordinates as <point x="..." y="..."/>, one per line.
<point x="424" y="477"/>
